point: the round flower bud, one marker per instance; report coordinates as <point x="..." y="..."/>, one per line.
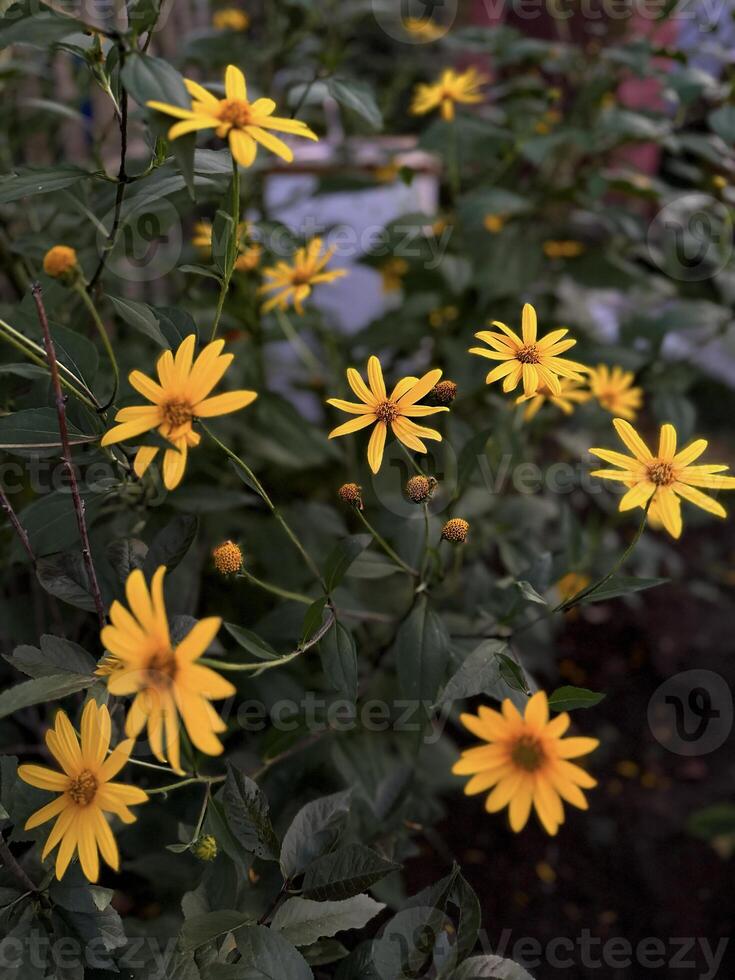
<point x="420" y="488"/>
<point x="443" y="393"/>
<point x="719" y="182"/>
<point x="60" y="262"/>
<point x="227" y="558"/>
<point x="351" y="493"/>
<point x="455" y="530"/>
<point x="205" y="848"/>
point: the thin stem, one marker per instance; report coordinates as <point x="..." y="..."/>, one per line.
<point x="410" y="458"/>
<point x="7" y="858"/>
<point x="17" y="526"/>
<point x="427" y="549"/>
<point x="270" y="664"/>
<point x="382" y="543"/>
<point x="232" y="252"/>
<point x="304" y="352"/>
<point x="171" y="787"/>
<point x="453" y="163"/>
<point x="275" y="589"/>
<point x="92" y="309"/>
<point x="66" y="453"/>
<point x="305" y="93"/>
<point x="203" y="811"/>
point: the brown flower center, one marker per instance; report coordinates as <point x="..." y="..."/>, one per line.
<point x="160" y="671"/>
<point x="236" y="112"/>
<point x="176" y="414"/>
<point x="83" y="789"/>
<point x="528" y="354"/>
<point x="387" y="411"/>
<point x="661" y="473"/>
<point x="528" y="753"/>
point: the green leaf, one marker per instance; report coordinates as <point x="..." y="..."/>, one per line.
<point x="139" y="316"/>
<point x="176" y="325"/>
<point x="38" y="428"/>
<point x="51" y="520"/>
<point x="315" y="829"/>
<point x="480" y="673"/>
<point x="342" y="556"/>
<point x="528" y="592"/>
<point x="620" y="585"/>
<point x="722" y="121"/>
<point x="490" y="968"/>
<point x="339" y="660"/>
<point x="422" y="650"/>
<point x="246" y="809"/>
<point x="223" y="235"/>
<point x="56" y="656"/>
<point x="512" y="673"/>
<point x="251" y="642"/>
<point x="266" y="955"/>
<point x="202" y="929"/>
<point x="125" y="556"/>
<point x="302" y="921"/>
<point x="411" y="940"/>
<point x="714" y="821"/>
<point x="171" y="544"/>
<point x="344" y="873"/>
<point x="568" y="698"/>
<point x="313" y="618"/>
<point x="65" y="576"/>
<point x="32" y="181"/>
<point x="41" y="689"/>
<point x="359" y="98"/>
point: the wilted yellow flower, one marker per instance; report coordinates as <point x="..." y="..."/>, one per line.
<point x="571" y="393"/>
<point x="166" y="679"/>
<point x="60" y="262"/>
<point x="494" y="223"/>
<point x="242" y="123"/>
<point x="248" y="252"/>
<point x="180" y="396"/>
<point x="455" y="530"/>
<point x="526" y="761"/>
<point x="87" y="791"/>
<point x="562" y="249"/>
<point x="452" y="88"/>
<point x="227" y="558"/>
<point x="291" y="283"/>
<point x="613" y="388"/>
<point x="378" y="408"/>
<point x="392" y="272"/>
<point x="230" y="19"/>
<point x="665" y="477"/>
<point x="535" y="362"/>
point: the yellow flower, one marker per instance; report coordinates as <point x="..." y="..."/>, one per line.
<point x="665" y="477"/>
<point x="387" y="173"/>
<point x="571" y="584"/>
<point x="452" y="87"/>
<point x="392" y="272"/>
<point x="166" y="679"/>
<point x="526" y="762"/>
<point x="60" y="262"/>
<point x="571" y="393"/>
<point x="230" y="19"/>
<point x="424" y="28"/>
<point x="292" y="283"/>
<point x="562" y="249"/>
<point x="87" y="792"/>
<point x="244" y="124"/>
<point x="614" y="390"/>
<point x="383" y="410"/>
<point x="249" y="252"/>
<point x="178" y="398"/>
<point x="494" y="223"/>
<point x="536" y="362"/>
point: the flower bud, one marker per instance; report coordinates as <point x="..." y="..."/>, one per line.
<point x="205" y="848"/>
<point x="351" y="493"/>
<point x="60" y="262"/>
<point x="420" y="488"/>
<point x="227" y="558"/>
<point x="455" y="530"/>
<point x="443" y="393"/>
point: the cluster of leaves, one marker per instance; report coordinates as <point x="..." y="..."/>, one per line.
<point x="312" y="812"/>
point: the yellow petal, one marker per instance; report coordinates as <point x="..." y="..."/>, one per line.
<point x="632" y="440"/>
<point x="353" y="425"/>
<point x="376" y="445"/>
<point x="235" y="85"/>
<point x="230" y="401"/>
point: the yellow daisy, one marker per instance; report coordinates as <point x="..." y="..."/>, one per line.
<point x="166" y="679"/>
<point x="249" y="252"/>
<point x="526" y="762"/>
<point x="86" y="791"/>
<point x="614" y="390"/>
<point x="571" y="393"/>
<point x="665" y="477"/>
<point x="536" y="362"/>
<point x="242" y="123"/>
<point x="292" y="282"/>
<point x="377" y="407"/>
<point x="179" y="397"/>
<point x="452" y="88"/>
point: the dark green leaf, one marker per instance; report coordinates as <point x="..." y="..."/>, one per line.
<point x="313" y="618"/>
<point x="342" y="556"/>
<point x="315" y="829"/>
<point x="246" y="809"/>
<point x="714" y="821"/>
<point x="480" y="673"/>
<point x="32" y="181"/>
<point x="202" y="929"/>
<point x="620" y="585"/>
<point x="422" y="649"/>
<point x="346" y="872"/>
<point x="490" y="968"/>
<point x="266" y="955"/>
<point x="251" y="642"/>
<point x="65" y="576"/>
<point x="140" y="316"/>
<point x="56" y="656"/>
<point x="359" y="98"/>
<point x="339" y="660"/>
<point x="568" y="698"/>
<point x="38" y="428"/>
<point x="302" y="921"/>
<point x="41" y="689"/>
<point x="171" y="544"/>
<point x="512" y="673"/>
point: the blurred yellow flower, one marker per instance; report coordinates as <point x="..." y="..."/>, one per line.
<point x="178" y="398"/>
<point x="392" y="272"/>
<point x="424" y="28"/>
<point x="249" y="252"/>
<point x="166" y="679"/>
<point x="493" y="223"/>
<point x="571" y="393"/>
<point x="87" y="791"/>
<point x="230" y="19"/>
<point x="443" y="315"/>
<point x="719" y="182"/>
<point x="562" y="249"/>
<point x="526" y="761"/>
<point x="665" y="477"/>
<point x="452" y="88"/>
<point x="613" y="388"/>
<point x="291" y="283"/>
<point x="378" y="408"/>
<point x="242" y="123"/>
<point x="535" y="362"/>
<point x="571" y="584"/>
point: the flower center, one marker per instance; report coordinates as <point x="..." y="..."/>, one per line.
<point x="661" y="473"/>
<point x="236" y="112"/>
<point x="386" y="411"/>
<point x="528" y="753"/>
<point x="176" y="414"/>
<point x="528" y="354"/>
<point x="160" y="671"/>
<point x="82" y="789"/>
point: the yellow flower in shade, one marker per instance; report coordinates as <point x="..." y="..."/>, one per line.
<point x="378" y="408"/>
<point x="291" y="283"/>
<point x="86" y="791"/>
<point x="392" y="272"/>
<point x="562" y="249"/>
<point x="535" y="362"/>
<point x="614" y="390"/>
<point x="249" y="252"/>
<point x="166" y="679"/>
<point x="424" y="28"/>
<point x="494" y="223"/>
<point x="242" y="123"/>
<point x="230" y="19"/>
<point x="179" y="397"/>
<point x="526" y="763"/>
<point x="572" y="584"/>
<point x="663" y="478"/>
<point x="571" y="393"/>
<point x="452" y="88"/>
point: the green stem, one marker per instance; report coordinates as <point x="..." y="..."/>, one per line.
<point x="259" y="668"/>
<point x="427" y="550"/>
<point x="453" y="162"/>
<point x="304" y="352"/>
<point x="276" y="589"/>
<point x="185" y="782"/>
<point x="92" y="309"/>
<point x="382" y="543"/>
<point x="202" y="812"/>
<point x="410" y="458"/>
<point x="232" y="256"/>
